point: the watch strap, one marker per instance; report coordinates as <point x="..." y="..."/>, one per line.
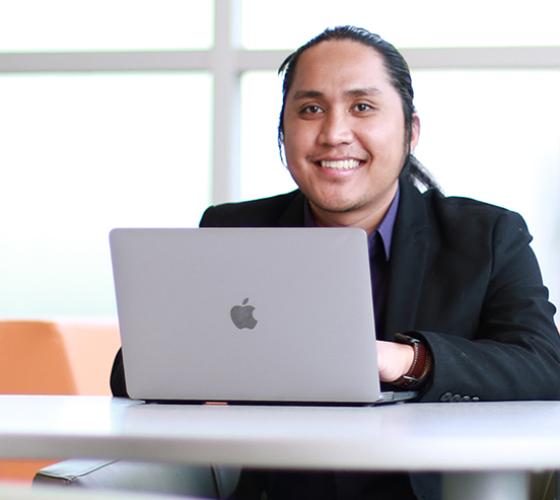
<point x="421" y="363"/>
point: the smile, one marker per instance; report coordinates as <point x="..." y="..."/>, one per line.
<point x="340" y="164"/>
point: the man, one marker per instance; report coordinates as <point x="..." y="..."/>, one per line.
<point x="460" y="308"/>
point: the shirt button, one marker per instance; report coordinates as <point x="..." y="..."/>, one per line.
<point x="446" y="396"/>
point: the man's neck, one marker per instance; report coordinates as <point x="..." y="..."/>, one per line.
<point x="367" y="217"/>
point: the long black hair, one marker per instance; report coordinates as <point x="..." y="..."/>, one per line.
<point x="399" y="75"/>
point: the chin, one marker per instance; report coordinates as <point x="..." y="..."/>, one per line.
<point x="337" y="206"/>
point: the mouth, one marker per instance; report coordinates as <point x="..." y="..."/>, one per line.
<point x="339" y="164"/>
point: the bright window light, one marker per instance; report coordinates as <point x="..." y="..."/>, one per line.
<point x="262" y="172"/>
<point x="82" y="154"/>
<point x="90" y="25"/>
<point x="404" y="23"/>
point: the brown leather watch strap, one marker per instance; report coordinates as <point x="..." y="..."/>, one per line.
<point x="421" y="363"/>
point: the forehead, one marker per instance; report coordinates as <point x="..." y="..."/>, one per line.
<point x="340" y="65"/>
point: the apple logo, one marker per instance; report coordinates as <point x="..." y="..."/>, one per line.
<point x="242" y="316"/>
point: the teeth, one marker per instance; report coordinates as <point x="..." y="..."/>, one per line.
<point x="340" y="164"/>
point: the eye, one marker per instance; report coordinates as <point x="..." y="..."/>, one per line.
<point x="363" y="106"/>
<point x="312" y="109"/>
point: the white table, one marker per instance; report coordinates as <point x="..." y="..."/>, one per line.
<point x="482" y="448"/>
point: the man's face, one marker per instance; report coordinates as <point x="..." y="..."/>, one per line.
<point x="344" y="133"/>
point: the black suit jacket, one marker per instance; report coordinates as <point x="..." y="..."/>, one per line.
<point x="464" y="279"/>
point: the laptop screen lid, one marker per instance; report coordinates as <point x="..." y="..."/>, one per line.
<point x="280" y="315"/>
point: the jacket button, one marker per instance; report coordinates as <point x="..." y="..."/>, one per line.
<point x="475" y="398"/>
<point x="446" y="396"/>
<point x="466" y="398"/>
<point x="456" y="398"/>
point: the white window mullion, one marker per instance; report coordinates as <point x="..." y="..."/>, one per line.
<point x="228" y="58"/>
<point x="226" y="140"/>
<point x="192" y="60"/>
<point x="483" y="58"/>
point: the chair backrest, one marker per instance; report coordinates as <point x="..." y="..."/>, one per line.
<point x="34" y="359"/>
<point x="91" y="348"/>
<point x="44" y="357"/>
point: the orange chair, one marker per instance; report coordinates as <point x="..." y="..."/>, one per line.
<point x="41" y="357"/>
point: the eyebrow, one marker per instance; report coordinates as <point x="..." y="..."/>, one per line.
<point x="306" y="94"/>
<point x="359" y="92"/>
<point x="367" y="91"/>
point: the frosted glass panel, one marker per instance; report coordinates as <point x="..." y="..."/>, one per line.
<point x="82" y="154"/>
<point x="73" y="25"/>
<point x="262" y="172"/>
<point x="405" y="23"/>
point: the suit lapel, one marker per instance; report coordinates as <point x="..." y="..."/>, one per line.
<point x="409" y="252"/>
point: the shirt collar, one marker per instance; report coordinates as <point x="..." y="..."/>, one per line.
<point x="384" y="230"/>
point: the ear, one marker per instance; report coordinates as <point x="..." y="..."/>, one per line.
<point x="415" y="132"/>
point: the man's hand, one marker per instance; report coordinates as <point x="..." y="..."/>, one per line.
<point x="394" y="360"/>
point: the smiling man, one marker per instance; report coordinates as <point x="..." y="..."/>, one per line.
<point x="460" y="308"/>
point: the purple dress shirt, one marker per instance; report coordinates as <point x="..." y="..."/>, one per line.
<point x="379" y="245"/>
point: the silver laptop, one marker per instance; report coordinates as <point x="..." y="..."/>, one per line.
<point x="247" y="315"/>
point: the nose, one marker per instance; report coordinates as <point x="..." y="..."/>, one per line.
<point x="336" y="129"/>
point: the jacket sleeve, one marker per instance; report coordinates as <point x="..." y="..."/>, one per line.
<point x="118" y="382"/>
<point x="515" y="352"/>
<point x="208" y="218"/>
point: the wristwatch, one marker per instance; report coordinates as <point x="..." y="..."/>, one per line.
<point x="421" y="363"/>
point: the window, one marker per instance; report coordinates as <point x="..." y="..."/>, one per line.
<point x="405" y="23"/>
<point x="142" y="112"/>
<point x="97" y="25"/>
<point x="261" y="172"/>
<point x="82" y="154"/>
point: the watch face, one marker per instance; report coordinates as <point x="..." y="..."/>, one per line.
<point x="406" y="339"/>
